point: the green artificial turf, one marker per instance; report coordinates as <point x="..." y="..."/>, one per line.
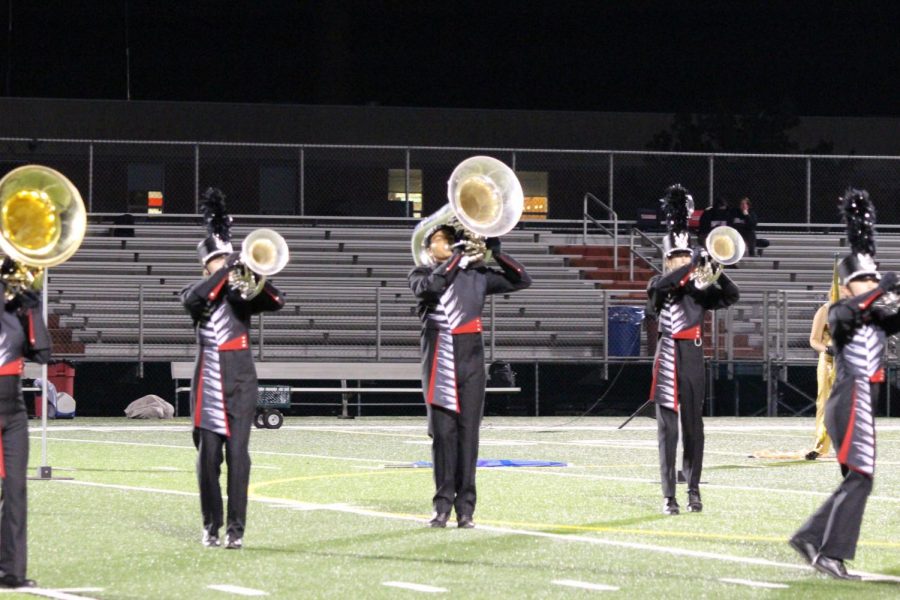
<point x="332" y="515"/>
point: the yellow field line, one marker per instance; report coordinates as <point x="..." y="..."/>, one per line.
<point x="540" y="526"/>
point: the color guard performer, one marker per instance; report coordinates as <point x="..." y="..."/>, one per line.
<point x="678" y="387"/>
<point x="224" y="390"/>
<point x="451" y="296"/>
<point x="859" y="326"/>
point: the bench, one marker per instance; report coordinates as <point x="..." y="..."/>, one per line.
<point x="336" y="371"/>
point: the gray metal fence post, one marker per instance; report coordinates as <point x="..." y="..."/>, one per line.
<point x="406" y="184"/>
<point x="611" y="185"/>
<point x="712" y="171"/>
<point x="378" y="324"/>
<point x="301" y="175"/>
<point x="537" y="390"/>
<point x="197" y="178"/>
<point x="631" y="255"/>
<point x="262" y="337"/>
<point x="605" y="334"/>
<point x="140" y="330"/>
<point x="90" y="194"/>
<point x="808" y="190"/>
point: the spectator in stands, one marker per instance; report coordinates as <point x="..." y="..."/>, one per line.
<point x="717" y="214"/>
<point x="679" y="381"/>
<point x="451" y="292"/>
<point x="859" y="329"/>
<point x="224" y="390"/>
<point x="744" y="220"/>
<point x="22" y="314"/>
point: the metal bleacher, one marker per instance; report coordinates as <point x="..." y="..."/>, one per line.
<point x="347" y="294"/>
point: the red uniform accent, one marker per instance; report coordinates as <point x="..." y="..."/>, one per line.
<point x="31" y="337"/>
<point x="197" y="411"/>
<point x="687" y="277"/>
<point x="878" y="376"/>
<point x="434" y="362"/>
<point x="454" y="262"/>
<point x="848" y="435"/>
<point x="653" y="383"/>
<point x="691" y="333"/>
<point x="241" y="342"/>
<point x="15" y="367"/>
<point x="473" y="326"/>
<point x="871" y="299"/>
<point x="215" y="291"/>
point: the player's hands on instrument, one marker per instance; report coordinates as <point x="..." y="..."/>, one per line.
<point x="829" y="350"/>
<point x="888" y="281"/>
<point x="233" y="260"/>
<point x="493" y="244"/>
<point x="8" y="266"/>
<point x="469" y="259"/>
<point x="699" y="255"/>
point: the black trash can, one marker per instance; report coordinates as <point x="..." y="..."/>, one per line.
<point x="624" y="330"/>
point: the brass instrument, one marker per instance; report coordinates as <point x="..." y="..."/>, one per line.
<point x="263" y="254"/>
<point x="485" y="200"/>
<point x="724" y="246"/>
<point x="42" y="223"/>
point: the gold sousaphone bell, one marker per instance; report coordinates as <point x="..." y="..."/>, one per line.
<point x="42" y="223"/>
<point x="725" y="246"/>
<point x="485" y="200"/>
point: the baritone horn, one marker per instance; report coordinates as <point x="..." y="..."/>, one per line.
<point x="485" y="199"/>
<point x="725" y="246"/>
<point x="42" y="223"/>
<point x="263" y="254"/>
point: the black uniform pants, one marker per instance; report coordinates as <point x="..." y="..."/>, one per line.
<point x="14" y="511"/>
<point x="454" y="447"/>
<point x="834" y="528"/>
<point x="209" y="466"/>
<point x="691" y="392"/>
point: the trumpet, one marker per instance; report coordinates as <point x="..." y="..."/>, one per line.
<point x="42" y="223"/>
<point x="485" y="199"/>
<point x="263" y="254"/>
<point x="724" y="246"/>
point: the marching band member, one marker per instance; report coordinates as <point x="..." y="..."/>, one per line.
<point x="224" y="390"/>
<point x="859" y="327"/>
<point x="23" y="334"/>
<point x="678" y="386"/>
<point x="451" y="296"/>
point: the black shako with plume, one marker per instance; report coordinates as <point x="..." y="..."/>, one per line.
<point x="677" y="206"/>
<point x="218" y="225"/>
<point x="859" y="215"/>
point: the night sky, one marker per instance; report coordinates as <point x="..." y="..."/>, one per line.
<point x="805" y="58"/>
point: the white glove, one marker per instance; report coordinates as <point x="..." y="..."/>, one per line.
<point x="467" y="260"/>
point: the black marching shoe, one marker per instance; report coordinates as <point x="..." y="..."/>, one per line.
<point x="833" y="567"/>
<point x="694" y="503"/>
<point x="670" y="506"/>
<point x="209" y="540"/>
<point x="439" y="519"/>
<point x="233" y="543"/>
<point x="11" y="581"/>
<point x="805" y="549"/>
<point x="812" y="455"/>
<point x="465" y="522"/>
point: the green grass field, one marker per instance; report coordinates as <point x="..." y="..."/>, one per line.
<point x="329" y="516"/>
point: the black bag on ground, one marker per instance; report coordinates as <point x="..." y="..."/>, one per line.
<point x="500" y="374"/>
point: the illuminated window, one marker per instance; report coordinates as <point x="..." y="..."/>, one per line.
<point x="397" y="190"/>
<point x="534" y="185"/>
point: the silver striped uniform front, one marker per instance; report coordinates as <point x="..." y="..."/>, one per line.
<point x="862" y="357"/>
<point x="446" y="316"/>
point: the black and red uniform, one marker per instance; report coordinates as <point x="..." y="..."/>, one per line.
<point x="679" y="384"/>
<point x="451" y="300"/>
<point x="23" y="335"/>
<point x="859" y="329"/>
<point x="224" y="393"/>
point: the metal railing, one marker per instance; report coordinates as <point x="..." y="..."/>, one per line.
<point x="320" y="179"/>
<point x="613" y="233"/>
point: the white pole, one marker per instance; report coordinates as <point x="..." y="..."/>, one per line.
<point x="44" y="470"/>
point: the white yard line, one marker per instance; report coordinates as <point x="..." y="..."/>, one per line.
<point x="598" y="541"/>
<point x="584" y="585"/>
<point x="416" y="587"/>
<point x="236" y="589"/>
<point x="756" y="584"/>
<point x="51" y="593"/>
<point x="746" y="488"/>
